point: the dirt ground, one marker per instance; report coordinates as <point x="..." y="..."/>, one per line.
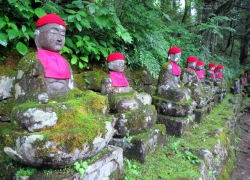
<point x="242" y="165"/>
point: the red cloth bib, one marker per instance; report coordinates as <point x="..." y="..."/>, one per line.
<point x="118" y="79"/>
<point x="176" y="70"/>
<point x="220" y="76"/>
<point x="200" y="74"/>
<point x="54" y="64"/>
<point x="213" y="75"/>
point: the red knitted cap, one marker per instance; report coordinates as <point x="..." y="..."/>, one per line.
<point x="192" y="59"/>
<point x="174" y="50"/>
<point x="200" y="63"/>
<point x="115" y="56"/>
<point x="220" y="66"/>
<point x="211" y="65"/>
<point x="50" y="18"/>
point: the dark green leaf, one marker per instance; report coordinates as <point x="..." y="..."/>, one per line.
<point x="2" y="24"/>
<point x="3" y="39"/>
<point x="12" y="1"/>
<point x="79" y="43"/>
<point x="39" y="12"/>
<point x="51" y="8"/>
<point x="71" y="18"/>
<point x="82" y="12"/>
<point x="91" y="8"/>
<point x="78" y="4"/>
<point x="78" y="26"/>
<point x="13" y="33"/>
<point x="21" y="48"/>
<point x="78" y="17"/>
<point x="85" y="23"/>
<point x="70" y="11"/>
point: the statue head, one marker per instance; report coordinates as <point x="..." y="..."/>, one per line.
<point x="174" y="54"/>
<point x="116" y="62"/>
<point x="50" y="33"/>
<point x="219" y="68"/>
<point x="191" y="61"/>
<point x="200" y="65"/>
<point x="212" y="66"/>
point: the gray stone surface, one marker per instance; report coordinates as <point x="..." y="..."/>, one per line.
<point x="5" y="87"/>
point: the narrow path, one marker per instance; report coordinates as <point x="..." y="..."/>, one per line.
<point x="242" y="164"/>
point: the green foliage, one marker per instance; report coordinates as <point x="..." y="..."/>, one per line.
<point x="25" y="172"/>
<point x="142" y="31"/>
<point x="131" y="170"/>
<point x="81" y="167"/>
<point x="127" y="138"/>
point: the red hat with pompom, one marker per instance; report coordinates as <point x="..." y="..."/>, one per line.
<point x="115" y="56"/>
<point x="211" y="65"/>
<point x="191" y="59"/>
<point x="200" y="63"/>
<point x="49" y="19"/>
<point x="174" y="50"/>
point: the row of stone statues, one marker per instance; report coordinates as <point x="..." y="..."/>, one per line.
<point x="56" y="124"/>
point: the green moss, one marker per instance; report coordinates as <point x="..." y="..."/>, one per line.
<point x="6" y="106"/>
<point x="228" y="167"/>
<point x="78" y="123"/>
<point x="7" y="72"/>
<point x="27" y="61"/>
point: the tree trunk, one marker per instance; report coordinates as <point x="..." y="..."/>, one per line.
<point x="245" y="42"/>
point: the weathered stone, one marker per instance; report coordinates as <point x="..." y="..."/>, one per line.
<point x="136" y="121"/>
<point x="110" y="163"/>
<point x="174" y="125"/>
<point x="200" y="114"/>
<point x="208" y="158"/>
<point x="139" y="146"/>
<point x="37" y="150"/>
<point x="5" y="87"/>
<point x="171" y="108"/>
<point x="36" y="119"/>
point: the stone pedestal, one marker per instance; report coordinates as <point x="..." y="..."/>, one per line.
<point x="108" y="164"/>
<point x="140" y="145"/>
<point x="174" y="125"/>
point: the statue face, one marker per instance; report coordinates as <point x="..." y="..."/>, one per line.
<point x="117" y="65"/>
<point x="50" y="37"/>
<point x="199" y="67"/>
<point x="212" y="68"/>
<point x="192" y="65"/>
<point x="174" y="57"/>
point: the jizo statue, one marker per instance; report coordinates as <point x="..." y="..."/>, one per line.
<point x="50" y="39"/>
<point x="117" y="81"/>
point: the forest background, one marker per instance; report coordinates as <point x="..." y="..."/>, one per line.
<point x="143" y="30"/>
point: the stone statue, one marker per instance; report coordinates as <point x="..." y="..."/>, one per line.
<point x="190" y="79"/>
<point x="58" y="78"/>
<point x="189" y="76"/>
<point x="211" y="76"/>
<point x="134" y="114"/>
<point x="53" y="121"/>
<point x="169" y="84"/>
<point x="122" y="97"/>
<point x="172" y="99"/>
<point x="199" y="69"/>
<point x="218" y="71"/>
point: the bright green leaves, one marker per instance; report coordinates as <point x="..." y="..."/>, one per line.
<point x="123" y="33"/>
<point x="40" y="12"/>
<point x="3" y="39"/>
<point x="81" y="167"/>
<point x="21" y="48"/>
